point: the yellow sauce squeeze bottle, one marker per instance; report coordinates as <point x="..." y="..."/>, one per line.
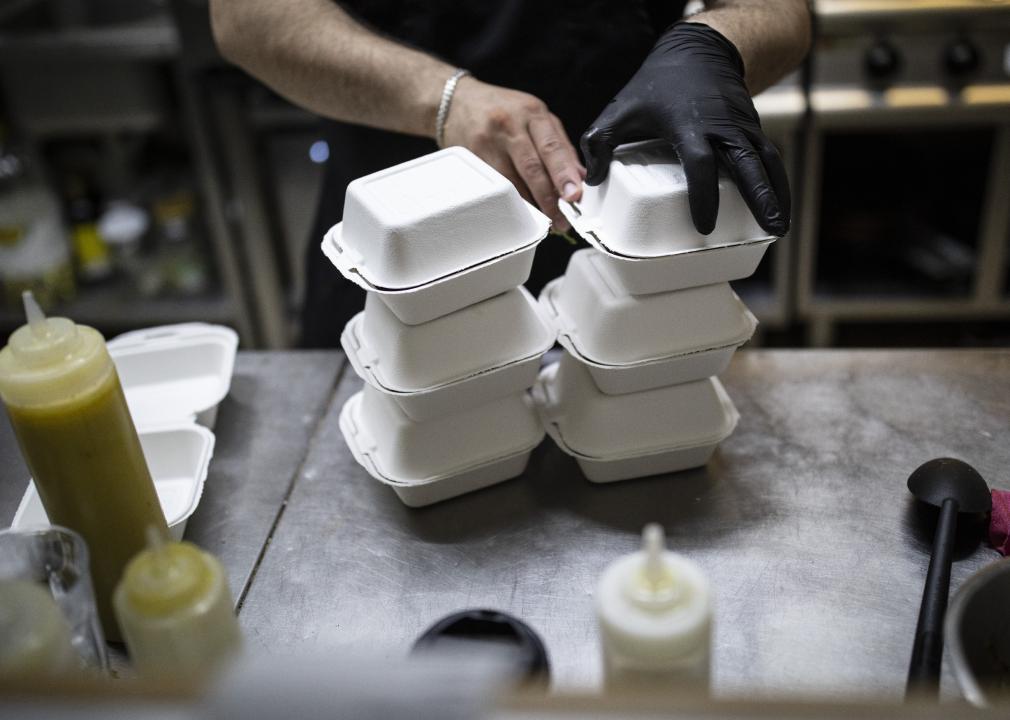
<point x="176" y="612"/>
<point x="655" y="618"/>
<point x="75" y="431"/>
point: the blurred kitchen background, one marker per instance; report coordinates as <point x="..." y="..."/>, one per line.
<point x="144" y="181"/>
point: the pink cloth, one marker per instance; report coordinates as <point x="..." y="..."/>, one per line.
<point x="999" y="523"/>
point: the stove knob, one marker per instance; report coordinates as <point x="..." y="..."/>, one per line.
<point x="961" y="58"/>
<point x="882" y="60"/>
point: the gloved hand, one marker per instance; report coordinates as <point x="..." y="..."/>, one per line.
<point x="690" y="91"/>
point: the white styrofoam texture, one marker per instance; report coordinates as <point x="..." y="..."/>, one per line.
<point x="609" y="326"/>
<point x="641" y="209"/>
<point x="456" y="362"/>
<point x="175" y="372"/>
<point x="618" y="437"/>
<point x="431" y="217"/>
<point x="432" y="461"/>
<point x="687" y="269"/>
<point x="445" y="295"/>
<point x="489" y="334"/>
<point x="177" y="457"/>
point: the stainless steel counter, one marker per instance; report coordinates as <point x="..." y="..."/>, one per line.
<point x="802" y="520"/>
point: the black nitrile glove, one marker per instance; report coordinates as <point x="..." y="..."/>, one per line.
<point x="690" y="91"/>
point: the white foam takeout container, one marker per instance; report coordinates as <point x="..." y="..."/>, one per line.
<point x="428" y="462"/>
<point x="177" y="456"/>
<point x="619" y="437"/>
<point x="435" y="234"/>
<point x="175" y="372"/>
<point x="639" y="217"/>
<point x="632" y="343"/>
<point x="459" y="361"/>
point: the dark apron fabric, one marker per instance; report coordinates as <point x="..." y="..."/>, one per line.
<point x="574" y="55"/>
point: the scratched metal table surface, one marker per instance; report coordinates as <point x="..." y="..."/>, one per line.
<point x="262" y="434"/>
<point x="801" y="520"/>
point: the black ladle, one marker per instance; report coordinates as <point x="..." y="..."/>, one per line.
<point x="954" y="487"/>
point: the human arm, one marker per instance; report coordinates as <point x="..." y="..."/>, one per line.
<point x="691" y="91"/>
<point x="316" y="55"/>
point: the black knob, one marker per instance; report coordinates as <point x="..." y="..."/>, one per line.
<point x="882" y="60"/>
<point x="961" y="58"/>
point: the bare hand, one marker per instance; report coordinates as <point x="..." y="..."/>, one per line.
<point x="518" y="136"/>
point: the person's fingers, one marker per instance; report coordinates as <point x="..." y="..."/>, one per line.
<point x="702" y="174"/>
<point x="598" y="143"/>
<point x="530" y="168"/>
<point x="558" y="156"/>
<point x="777" y="176"/>
<point x="748" y="171"/>
<point x="501" y="162"/>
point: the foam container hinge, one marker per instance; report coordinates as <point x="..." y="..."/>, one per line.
<point x="640" y="219"/>
<point x="432" y="461"/>
<point x="459" y="361"/>
<point x="619" y="437"/>
<point x="177" y="457"/>
<point x="435" y="234"/>
<point x="631" y="343"/>
<point x="174" y="373"/>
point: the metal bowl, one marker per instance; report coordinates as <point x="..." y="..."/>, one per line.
<point x="977" y="635"/>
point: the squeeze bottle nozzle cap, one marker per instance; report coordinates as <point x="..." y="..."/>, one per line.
<point x="36" y="318"/>
<point x="166" y="578"/>
<point x="42" y="341"/>
<point x="656" y="586"/>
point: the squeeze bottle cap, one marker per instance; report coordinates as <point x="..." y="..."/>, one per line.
<point x="166" y="578"/>
<point x="42" y="341"/>
<point x="50" y="360"/>
<point x="655" y="586"/>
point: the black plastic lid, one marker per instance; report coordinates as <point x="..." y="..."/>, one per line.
<point x="491" y="627"/>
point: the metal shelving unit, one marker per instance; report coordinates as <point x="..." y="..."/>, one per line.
<point x="113" y="80"/>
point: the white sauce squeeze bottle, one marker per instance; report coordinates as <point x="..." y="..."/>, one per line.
<point x="654" y="610"/>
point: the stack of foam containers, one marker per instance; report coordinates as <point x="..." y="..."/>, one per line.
<point x="647" y="319"/>
<point x="448" y="342"/>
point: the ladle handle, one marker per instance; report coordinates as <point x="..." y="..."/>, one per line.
<point x="927" y="653"/>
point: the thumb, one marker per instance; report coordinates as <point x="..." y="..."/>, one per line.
<point x="598" y="143"/>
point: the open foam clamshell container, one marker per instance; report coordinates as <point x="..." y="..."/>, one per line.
<point x="175" y="372"/>
<point x="619" y="437"/>
<point x="439" y="459"/>
<point x="631" y="343"/>
<point x="174" y="377"/>
<point x="177" y="456"/>
<point x="435" y="234"/>
<point x="459" y="361"/>
<point x="640" y="219"/>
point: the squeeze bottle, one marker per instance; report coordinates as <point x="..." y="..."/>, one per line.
<point x="75" y="431"/>
<point x="655" y="617"/>
<point x="34" y="636"/>
<point x="175" y="610"/>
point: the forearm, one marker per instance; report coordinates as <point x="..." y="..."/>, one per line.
<point x="313" y="53"/>
<point x="772" y="37"/>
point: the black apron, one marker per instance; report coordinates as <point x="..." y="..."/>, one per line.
<point x="574" y="55"/>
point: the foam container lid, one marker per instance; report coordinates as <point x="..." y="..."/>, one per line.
<point x="398" y="450"/>
<point x="174" y="373"/>
<point x="177" y="456"/>
<point x="586" y="422"/>
<point x="641" y="210"/>
<point x="607" y="325"/>
<point x="403" y="358"/>
<point x="428" y="218"/>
